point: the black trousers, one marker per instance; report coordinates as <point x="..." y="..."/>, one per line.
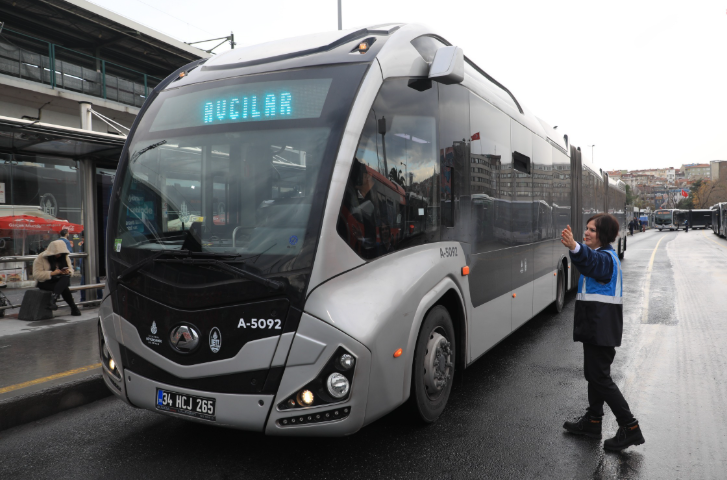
<point x="59" y="287"/>
<point x="597" y="362"/>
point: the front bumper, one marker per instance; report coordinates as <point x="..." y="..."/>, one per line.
<point x="312" y="347"/>
<point x="245" y="412"/>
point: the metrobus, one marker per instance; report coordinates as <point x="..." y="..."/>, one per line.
<point x="700" y="218"/>
<point x="666" y="218"/>
<point x="304" y="235"/>
<point x="719" y="219"/>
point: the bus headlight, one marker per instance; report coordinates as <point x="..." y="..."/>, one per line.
<point x="306" y="398"/>
<point x="338" y="385"/>
<point x="346" y="361"/>
<point x="331" y="385"/>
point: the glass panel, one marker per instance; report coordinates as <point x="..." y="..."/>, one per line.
<point x="255" y="188"/>
<point x="39" y="197"/>
<point x="490" y="134"/>
<point x="561" y="191"/>
<point x="390" y="198"/>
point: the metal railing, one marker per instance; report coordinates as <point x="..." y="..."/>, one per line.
<point x="72" y="289"/>
<point x="27" y="258"/>
<point x="83" y="73"/>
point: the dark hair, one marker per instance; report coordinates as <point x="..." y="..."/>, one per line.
<point x="64" y="232"/>
<point x="607" y="227"/>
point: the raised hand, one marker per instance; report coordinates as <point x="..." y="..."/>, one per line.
<point x="566" y="238"/>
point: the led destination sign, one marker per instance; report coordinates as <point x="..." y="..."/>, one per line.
<point x="253" y="102"/>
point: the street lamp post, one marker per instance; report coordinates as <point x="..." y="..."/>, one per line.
<point x="594" y="161"/>
<point x="340" y="20"/>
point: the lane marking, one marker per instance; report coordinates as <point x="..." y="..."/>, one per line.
<point x="647" y="284"/>
<point x="704" y="234"/>
<point x="18" y="386"/>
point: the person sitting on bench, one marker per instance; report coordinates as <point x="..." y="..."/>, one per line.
<point x="52" y="270"/>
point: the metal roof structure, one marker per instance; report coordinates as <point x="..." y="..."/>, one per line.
<point x="83" y="26"/>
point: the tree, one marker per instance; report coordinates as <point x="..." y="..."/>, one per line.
<point x="630" y="197"/>
<point x="708" y="193"/>
<point x="685" y="203"/>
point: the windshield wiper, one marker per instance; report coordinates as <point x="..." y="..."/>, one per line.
<point x="174" y="253"/>
<point x="190" y="260"/>
<point x="138" y="265"/>
<point x="144" y="150"/>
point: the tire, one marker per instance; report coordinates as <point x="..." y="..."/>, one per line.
<point x="557" y="305"/>
<point x="620" y="252"/>
<point x="660" y="229"/>
<point x="430" y="384"/>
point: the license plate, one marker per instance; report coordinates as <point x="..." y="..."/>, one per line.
<point x="198" y="407"/>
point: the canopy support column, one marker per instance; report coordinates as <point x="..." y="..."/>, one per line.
<point x="88" y="187"/>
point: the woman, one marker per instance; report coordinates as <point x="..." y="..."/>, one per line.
<point x="598" y="324"/>
<point x="52" y="270"/>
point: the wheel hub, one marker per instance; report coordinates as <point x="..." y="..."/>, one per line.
<point x="437" y="364"/>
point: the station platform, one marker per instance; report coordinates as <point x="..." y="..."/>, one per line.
<point x="39" y="355"/>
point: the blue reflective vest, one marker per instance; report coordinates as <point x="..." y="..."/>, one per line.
<point x="599" y="308"/>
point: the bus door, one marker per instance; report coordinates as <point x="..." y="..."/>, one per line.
<point x="522" y="229"/>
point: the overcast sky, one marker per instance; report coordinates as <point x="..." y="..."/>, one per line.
<point x="646" y="81"/>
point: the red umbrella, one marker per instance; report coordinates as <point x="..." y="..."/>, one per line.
<point x="29" y="223"/>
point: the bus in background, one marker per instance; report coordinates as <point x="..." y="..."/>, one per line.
<point x="719" y="219"/>
<point x="302" y="239"/>
<point x="666" y="218"/>
<point x="700" y="218"/>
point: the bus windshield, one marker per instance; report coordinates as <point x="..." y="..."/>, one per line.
<point x="235" y="166"/>
<point x="663" y="218"/>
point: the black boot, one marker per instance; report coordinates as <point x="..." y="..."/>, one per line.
<point x="53" y="305"/>
<point x="625" y="437"/>
<point x="588" y="425"/>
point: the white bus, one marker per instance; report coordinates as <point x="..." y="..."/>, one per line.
<point x="666" y="218"/>
<point x="365" y="212"/>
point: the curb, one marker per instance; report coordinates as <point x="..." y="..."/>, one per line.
<point x="34" y="406"/>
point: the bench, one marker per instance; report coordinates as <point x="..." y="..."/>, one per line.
<point x="36" y="305"/>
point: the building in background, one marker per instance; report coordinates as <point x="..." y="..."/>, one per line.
<point x="73" y="77"/>
<point x="696" y="171"/>
<point x="718" y="170"/>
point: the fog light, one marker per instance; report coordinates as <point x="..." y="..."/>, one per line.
<point x="337" y="385"/>
<point x="305" y="398"/>
<point x="112" y="365"/>
<point x="346" y="361"/>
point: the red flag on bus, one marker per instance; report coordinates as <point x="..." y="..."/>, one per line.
<point x="476" y="136"/>
<point x="684" y="194"/>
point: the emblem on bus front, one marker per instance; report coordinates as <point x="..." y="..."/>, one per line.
<point x="184" y="338"/>
<point x="215" y="340"/>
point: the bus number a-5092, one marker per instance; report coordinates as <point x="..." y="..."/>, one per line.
<point x="260" y="323"/>
<point x="447" y="252"/>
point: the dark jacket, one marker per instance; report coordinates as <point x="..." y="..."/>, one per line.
<point x="596" y="322"/>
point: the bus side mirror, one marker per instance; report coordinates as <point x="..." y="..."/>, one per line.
<point x="447" y="66"/>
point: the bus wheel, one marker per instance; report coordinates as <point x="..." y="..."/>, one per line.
<point x="433" y="373"/>
<point x="560" y="290"/>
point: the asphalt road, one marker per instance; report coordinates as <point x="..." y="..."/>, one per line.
<point x="504" y="418"/>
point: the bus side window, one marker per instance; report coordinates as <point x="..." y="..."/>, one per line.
<point x="490" y="206"/>
<point x="390" y="200"/>
<point x="454" y="156"/>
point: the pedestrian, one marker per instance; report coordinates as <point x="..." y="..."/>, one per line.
<point x="686" y="226"/>
<point x="52" y="270"/>
<point x="64" y="237"/>
<point x="631" y="227"/>
<point x="598" y="324"/>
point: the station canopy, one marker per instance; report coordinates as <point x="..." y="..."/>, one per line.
<point x="30" y="137"/>
<point x="85" y="27"/>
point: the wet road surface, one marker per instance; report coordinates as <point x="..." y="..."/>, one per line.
<point x="505" y="415"/>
